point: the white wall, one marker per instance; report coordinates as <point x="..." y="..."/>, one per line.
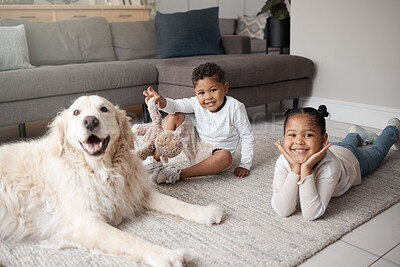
<point x="355" y="45"/>
<point x="227" y="8"/>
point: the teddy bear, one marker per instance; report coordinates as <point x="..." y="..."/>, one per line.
<point x="156" y="141"/>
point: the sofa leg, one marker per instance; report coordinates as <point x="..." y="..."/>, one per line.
<point x="22" y="130"/>
<point x="146" y="114"/>
<point x="295" y="103"/>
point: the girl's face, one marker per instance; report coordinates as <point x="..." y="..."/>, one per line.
<point x="303" y="137"/>
<point x="210" y="93"/>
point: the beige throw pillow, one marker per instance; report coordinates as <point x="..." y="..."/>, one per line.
<point x="13" y="48"/>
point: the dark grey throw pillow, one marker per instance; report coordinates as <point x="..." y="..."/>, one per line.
<point x="191" y="33"/>
<point x="69" y="41"/>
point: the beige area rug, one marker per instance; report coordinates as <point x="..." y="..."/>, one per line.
<point x="251" y="233"/>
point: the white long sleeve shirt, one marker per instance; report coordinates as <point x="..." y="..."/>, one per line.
<point x="331" y="177"/>
<point x="222" y="129"/>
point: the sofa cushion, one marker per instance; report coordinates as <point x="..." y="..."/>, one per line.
<point x="227" y="26"/>
<point x="66" y="42"/>
<point x="258" y="46"/>
<point x="240" y="70"/>
<point x="46" y="81"/>
<point x="13" y="48"/>
<point x="195" y="32"/>
<point x="134" y="40"/>
<point x="235" y="44"/>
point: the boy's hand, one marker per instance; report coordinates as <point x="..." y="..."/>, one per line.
<point x="294" y="166"/>
<point x="241" y="172"/>
<point x="150" y="92"/>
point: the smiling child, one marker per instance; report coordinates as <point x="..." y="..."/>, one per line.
<point x="314" y="170"/>
<point x="221" y="122"/>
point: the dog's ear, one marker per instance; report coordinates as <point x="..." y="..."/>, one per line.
<point x="58" y="128"/>
<point x="126" y="138"/>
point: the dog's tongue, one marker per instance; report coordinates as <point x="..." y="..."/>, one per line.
<point x="93" y="144"/>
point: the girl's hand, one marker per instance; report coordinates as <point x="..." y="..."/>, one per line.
<point x="241" y="172"/>
<point x="306" y="167"/>
<point x="150" y="92"/>
<point x="294" y="166"/>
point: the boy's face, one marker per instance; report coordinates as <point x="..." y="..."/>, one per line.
<point x="210" y="93"/>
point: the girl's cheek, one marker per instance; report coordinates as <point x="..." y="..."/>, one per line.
<point x="285" y="144"/>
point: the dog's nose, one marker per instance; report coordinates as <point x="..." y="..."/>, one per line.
<point x="90" y="122"/>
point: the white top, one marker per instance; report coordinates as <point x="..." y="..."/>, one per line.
<point x="222" y="129"/>
<point x="331" y="177"/>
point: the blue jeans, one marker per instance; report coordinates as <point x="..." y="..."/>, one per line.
<point x="370" y="158"/>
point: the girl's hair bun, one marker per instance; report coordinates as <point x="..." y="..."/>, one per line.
<point x="287" y="111"/>
<point x="323" y="110"/>
<point x="317" y="114"/>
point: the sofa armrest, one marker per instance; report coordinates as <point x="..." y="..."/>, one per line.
<point x="236" y="44"/>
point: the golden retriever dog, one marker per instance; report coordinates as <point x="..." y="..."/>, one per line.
<point x="75" y="184"/>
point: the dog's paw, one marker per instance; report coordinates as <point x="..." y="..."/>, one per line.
<point x="213" y="214"/>
<point x="169" y="258"/>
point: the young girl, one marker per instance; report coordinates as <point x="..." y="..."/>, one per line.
<point x="315" y="170"/>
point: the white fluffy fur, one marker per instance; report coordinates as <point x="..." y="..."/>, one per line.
<point x="50" y="188"/>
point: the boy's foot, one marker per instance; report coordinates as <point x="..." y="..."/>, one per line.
<point x="367" y="137"/>
<point x="168" y="175"/>
<point x="395" y="122"/>
<point x="151" y="164"/>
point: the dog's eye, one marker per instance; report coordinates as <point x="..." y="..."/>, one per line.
<point x="104" y="109"/>
<point x="76" y="112"/>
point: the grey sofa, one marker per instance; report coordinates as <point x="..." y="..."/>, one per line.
<point x="116" y="60"/>
<point x="228" y="27"/>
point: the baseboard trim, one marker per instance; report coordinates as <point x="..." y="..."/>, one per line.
<point x="354" y="113"/>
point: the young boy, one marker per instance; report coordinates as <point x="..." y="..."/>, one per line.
<point x="221" y="121"/>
